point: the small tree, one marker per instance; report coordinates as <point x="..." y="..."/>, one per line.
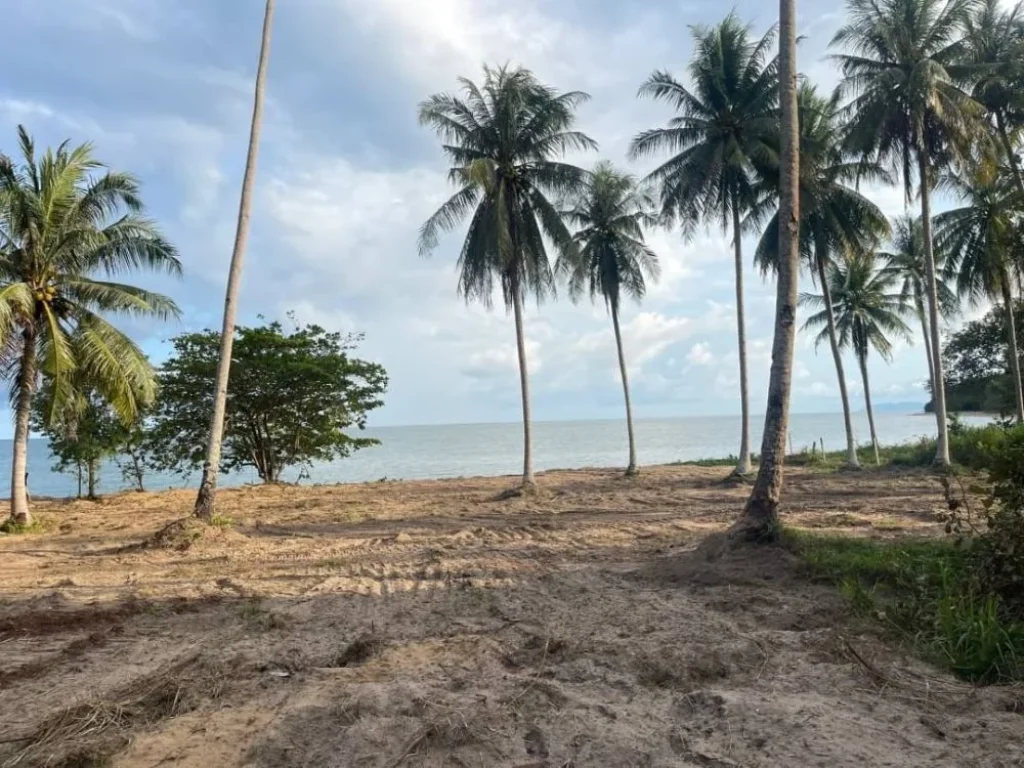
<point x="291" y="400"/>
<point x="83" y="434"/>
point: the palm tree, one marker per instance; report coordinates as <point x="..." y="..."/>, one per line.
<point x="835" y="219"/>
<point x="909" y="108"/>
<point x="994" y="45"/>
<point x="64" y="222"/>
<point x="612" y="258"/>
<point x="502" y="139"/>
<point x="204" y="506"/>
<point x="979" y="242"/>
<point x="906" y="264"/>
<point x="760" y="519"/>
<point x="723" y="132"/>
<point x="868" y="310"/>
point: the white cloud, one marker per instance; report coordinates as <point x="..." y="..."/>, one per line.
<point x="700" y="354"/>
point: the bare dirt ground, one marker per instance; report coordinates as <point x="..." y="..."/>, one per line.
<point x="438" y="624"/>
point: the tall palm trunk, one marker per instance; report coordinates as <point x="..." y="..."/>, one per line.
<point x="211" y="467"/>
<point x="927" y="347"/>
<point x="862" y="359"/>
<point x="26" y="382"/>
<point x="1011" y="331"/>
<point x="938" y="380"/>
<point x="851" y="441"/>
<point x="1011" y="156"/>
<point x="743" y="466"/>
<point x="524" y="384"/>
<point x="632" y="468"/>
<point x="761" y="514"/>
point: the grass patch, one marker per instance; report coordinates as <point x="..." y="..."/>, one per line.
<point x="14" y="528"/>
<point x="728" y="461"/>
<point x="924" y="591"/>
<point x="222" y="521"/>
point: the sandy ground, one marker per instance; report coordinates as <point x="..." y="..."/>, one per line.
<point x="439" y="624"/>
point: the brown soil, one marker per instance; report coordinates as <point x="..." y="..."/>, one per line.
<point x="445" y="624"/>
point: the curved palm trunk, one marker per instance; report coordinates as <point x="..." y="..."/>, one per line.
<point x="927" y="347"/>
<point x="632" y="468"/>
<point x="27" y="372"/>
<point x="761" y="514"/>
<point x="862" y="359"/>
<point x="851" y="441"/>
<point x="211" y="467"/>
<point x="1011" y="157"/>
<point x="938" y="380"/>
<point x="1011" y="330"/>
<point x="524" y="384"/>
<point x="743" y="466"/>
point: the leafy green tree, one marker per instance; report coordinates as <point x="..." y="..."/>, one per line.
<point x="835" y="218"/>
<point x="979" y="372"/>
<point x="64" y="221"/>
<point x="905" y="75"/>
<point x="294" y="398"/>
<point x="905" y="262"/>
<point x="994" y="50"/>
<point x="206" y="498"/>
<point x="84" y="434"/>
<point x="724" y="129"/>
<point x="613" y="260"/>
<point x="503" y="138"/>
<point x="981" y="243"/>
<point x="868" y="311"/>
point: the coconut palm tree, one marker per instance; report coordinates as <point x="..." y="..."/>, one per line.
<point x="904" y="73"/>
<point x="723" y="132"/>
<point x="66" y="224"/>
<point x="835" y="218"/>
<point x="905" y="261"/>
<point x="204" y="506"/>
<point x="612" y="259"/>
<point x="503" y="139"/>
<point x="868" y="312"/>
<point x="760" y="519"/>
<point x="993" y="50"/>
<point x="981" y="242"/>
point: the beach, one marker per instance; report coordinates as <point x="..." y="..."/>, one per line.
<point x="448" y="623"/>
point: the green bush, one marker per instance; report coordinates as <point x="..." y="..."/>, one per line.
<point x="927" y="593"/>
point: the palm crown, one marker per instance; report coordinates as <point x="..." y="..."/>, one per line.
<point x="835" y="218"/>
<point x="612" y="256"/>
<point x="724" y="126"/>
<point x="62" y="223"/>
<point x="905" y="72"/>
<point x="905" y="263"/>
<point x="501" y="138"/>
<point x="868" y="307"/>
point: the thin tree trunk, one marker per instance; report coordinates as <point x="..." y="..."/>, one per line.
<point x="1011" y="331"/>
<point x="938" y="384"/>
<point x="632" y="468"/>
<point x="851" y="440"/>
<point x="79" y="464"/>
<point x="524" y="383"/>
<point x="743" y="466"/>
<point x="761" y="514"/>
<point x="928" y="348"/>
<point x="91" y="466"/>
<point x="204" y="507"/>
<point x="26" y="382"/>
<point x="862" y="359"/>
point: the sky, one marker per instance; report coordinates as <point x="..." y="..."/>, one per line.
<point x="346" y="176"/>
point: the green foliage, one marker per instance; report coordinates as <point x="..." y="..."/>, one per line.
<point x="291" y="400"/>
<point x="503" y="139"/>
<point x="613" y="257"/>
<point x="726" y="128"/>
<point x="924" y="590"/>
<point x="978" y="370"/>
<point x="65" y="222"/>
<point x="82" y="435"/>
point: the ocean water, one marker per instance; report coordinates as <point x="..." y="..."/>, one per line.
<point x="465" y="450"/>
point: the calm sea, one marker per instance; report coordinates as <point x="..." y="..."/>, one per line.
<point x="465" y="450"/>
